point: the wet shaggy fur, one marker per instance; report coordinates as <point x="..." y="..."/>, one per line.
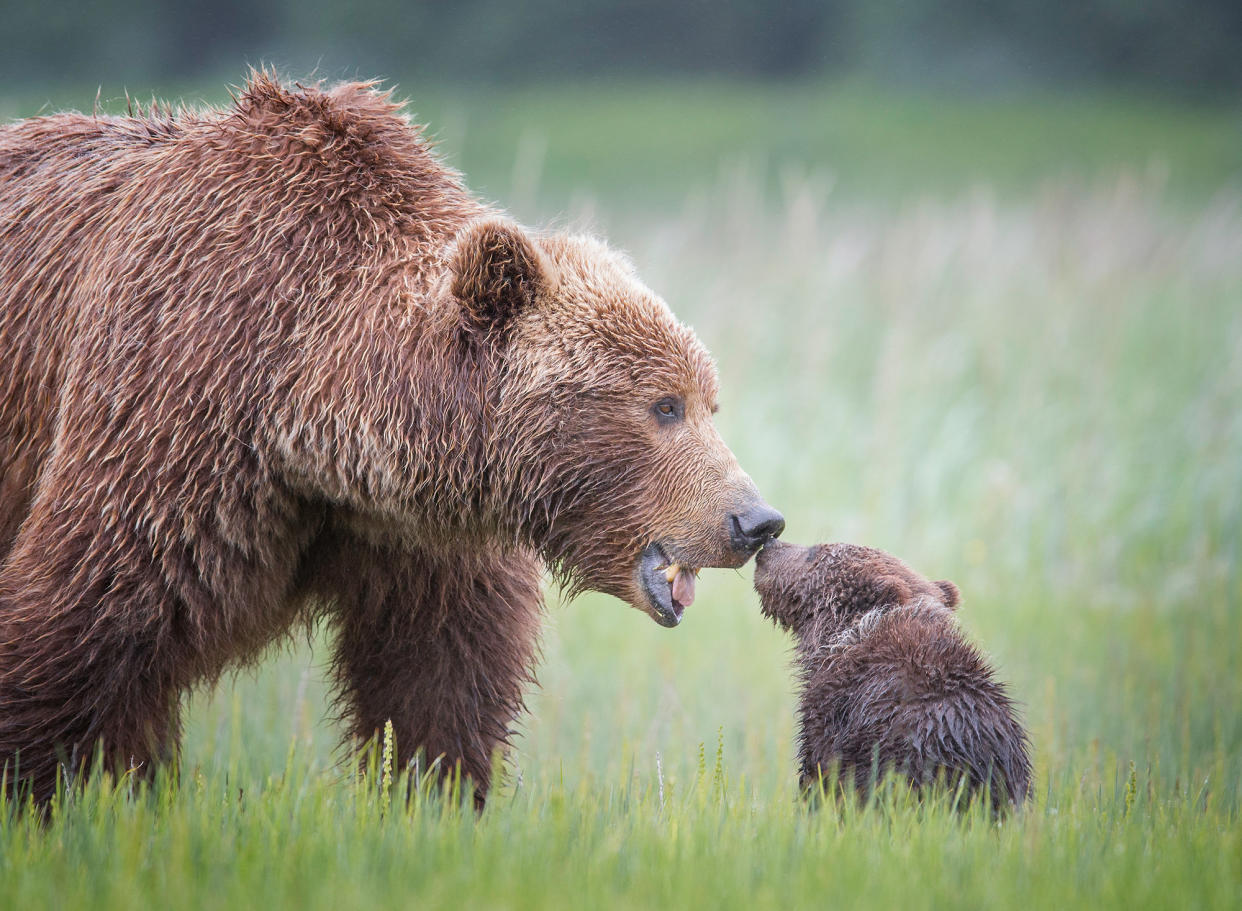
<point x="887" y="679"/>
<point x="274" y="362"/>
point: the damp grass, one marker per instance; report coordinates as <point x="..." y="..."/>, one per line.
<point x="304" y="837"/>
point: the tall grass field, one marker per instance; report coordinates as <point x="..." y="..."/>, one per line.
<point x="1002" y="339"/>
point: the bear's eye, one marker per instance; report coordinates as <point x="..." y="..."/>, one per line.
<point x="669" y="409"/>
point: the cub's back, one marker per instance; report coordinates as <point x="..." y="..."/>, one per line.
<point x="911" y="694"/>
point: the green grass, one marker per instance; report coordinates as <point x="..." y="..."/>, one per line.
<point x="1023" y="373"/>
<point x="651" y="145"/>
<point x="298" y="842"/>
<point x="648" y="145"/>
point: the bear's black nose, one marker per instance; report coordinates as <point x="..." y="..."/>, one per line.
<point x="752" y="528"/>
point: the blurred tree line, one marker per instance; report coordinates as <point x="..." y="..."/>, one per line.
<point x="1191" y="47"/>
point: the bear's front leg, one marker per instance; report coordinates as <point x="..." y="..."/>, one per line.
<point x="442" y="645"/>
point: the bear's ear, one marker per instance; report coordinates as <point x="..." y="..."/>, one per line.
<point x="497" y="270"/>
<point x="952" y="597"/>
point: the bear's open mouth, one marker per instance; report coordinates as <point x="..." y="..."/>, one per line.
<point x="667" y="585"/>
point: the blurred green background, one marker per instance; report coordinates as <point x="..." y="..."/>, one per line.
<point x="1164" y="45"/>
<point x="973" y="276"/>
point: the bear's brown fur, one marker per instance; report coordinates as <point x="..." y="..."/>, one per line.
<point x="887" y="679"/>
<point x="275" y="362"/>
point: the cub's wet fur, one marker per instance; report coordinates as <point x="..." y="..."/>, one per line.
<point x="887" y="679"/>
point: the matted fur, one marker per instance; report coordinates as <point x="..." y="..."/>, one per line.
<point x="887" y="680"/>
<point x="275" y="359"/>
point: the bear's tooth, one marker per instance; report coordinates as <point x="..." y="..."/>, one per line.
<point x="671" y="573"/>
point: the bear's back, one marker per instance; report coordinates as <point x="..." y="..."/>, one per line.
<point x="56" y="176"/>
<point x="184" y="246"/>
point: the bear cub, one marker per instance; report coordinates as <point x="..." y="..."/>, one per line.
<point x="887" y="679"/>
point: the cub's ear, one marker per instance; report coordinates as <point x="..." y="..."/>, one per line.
<point x="497" y="270"/>
<point x="952" y="597"/>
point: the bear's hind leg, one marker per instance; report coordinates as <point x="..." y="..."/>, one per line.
<point x="441" y="646"/>
<point x="86" y="662"/>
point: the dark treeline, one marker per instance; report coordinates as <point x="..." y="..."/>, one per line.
<point x="1189" y="47"/>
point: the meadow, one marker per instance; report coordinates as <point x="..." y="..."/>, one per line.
<point x="1001" y="338"/>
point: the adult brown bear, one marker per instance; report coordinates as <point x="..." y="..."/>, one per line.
<point x="276" y="360"/>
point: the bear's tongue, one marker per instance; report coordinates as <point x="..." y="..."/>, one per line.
<point x="683" y="587"/>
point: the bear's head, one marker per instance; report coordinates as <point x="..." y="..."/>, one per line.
<point x="602" y="440"/>
<point x="805" y="587"/>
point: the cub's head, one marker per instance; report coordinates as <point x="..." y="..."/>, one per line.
<point x="603" y="442"/>
<point x="802" y="586"/>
